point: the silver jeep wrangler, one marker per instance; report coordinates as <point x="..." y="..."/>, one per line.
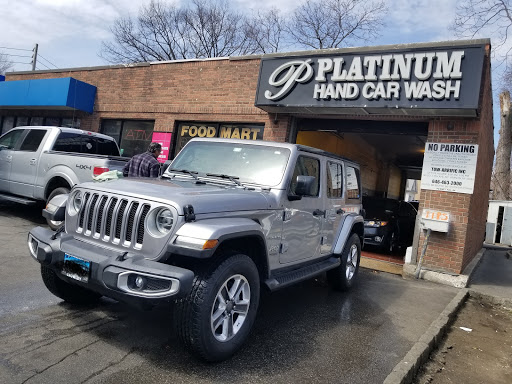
<point x="226" y="219"/>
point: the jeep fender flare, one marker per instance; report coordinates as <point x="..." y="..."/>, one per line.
<point x="353" y="223"/>
<point x="227" y="231"/>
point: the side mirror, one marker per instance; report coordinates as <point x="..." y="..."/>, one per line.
<point x="56" y="208"/>
<point x="304" y="185"/>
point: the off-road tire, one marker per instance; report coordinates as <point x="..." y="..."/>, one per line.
<point x="54" y="225"/>
<point x="70" y="293"/>
<point x="193" y="314"/>
<point x="337" y="277"/>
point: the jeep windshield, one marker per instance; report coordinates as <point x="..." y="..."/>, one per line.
<point x="247" y="163"/>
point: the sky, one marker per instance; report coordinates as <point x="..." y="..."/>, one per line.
<point x="69" y="32"/>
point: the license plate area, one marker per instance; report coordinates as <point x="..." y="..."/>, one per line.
<point x="76" y="268"/>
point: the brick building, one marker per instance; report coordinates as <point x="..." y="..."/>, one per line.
<point x="381" y="106"/>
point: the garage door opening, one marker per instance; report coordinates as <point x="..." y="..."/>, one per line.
<point x="391" y="158"/>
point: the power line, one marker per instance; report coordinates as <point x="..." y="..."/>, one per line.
<point x="47" y="61"/>
<point x="8" y="54"/>
<point x="44" y="64"/>
<point x="17" y="49"/>
<point x="17" y="62"/>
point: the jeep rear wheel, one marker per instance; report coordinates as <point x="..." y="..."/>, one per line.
<point x="215" y="319"/>
<point x="70" y="293"/>
<point x="342" y="277"/>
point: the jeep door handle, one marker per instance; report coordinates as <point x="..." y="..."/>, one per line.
<point x="340" y="211"/>
<point x="33" y="161"/>
<point x="318" y="212"/>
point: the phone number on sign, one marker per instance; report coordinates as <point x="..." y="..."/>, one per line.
<point x="447" y="182"/>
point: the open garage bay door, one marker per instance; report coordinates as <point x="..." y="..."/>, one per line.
<point x="391" y="157"/>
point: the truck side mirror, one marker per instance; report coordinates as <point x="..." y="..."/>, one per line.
<point x="303" y="187"/>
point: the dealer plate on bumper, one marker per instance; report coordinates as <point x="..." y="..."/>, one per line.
<point x="76" y="268"/>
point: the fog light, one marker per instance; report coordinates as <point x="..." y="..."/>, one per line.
<point x="378" y="239"/>
<point x="140" y="282"/>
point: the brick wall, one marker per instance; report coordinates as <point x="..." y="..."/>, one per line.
<point x="213" y="91"/>
<point x="453" y="251"/>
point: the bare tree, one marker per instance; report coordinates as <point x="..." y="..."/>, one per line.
<point x="266" y="31"/>
<point x="5" y="63"/>
<point x="158" y="33"/>
<point x="216" y="30"/>
<point x="335" y="23"/>
<point x="486" y="18"/>
<point x="163" y="31"/>
<point x="501" y="175"/>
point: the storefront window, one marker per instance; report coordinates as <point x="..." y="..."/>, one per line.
<point x="36" y="120"/>
<point x="21" y="121"/>
<point x="7" y="124"/>
<point x="132" y="136"/>
<point x="189" y="130"/>
<point x="70" y="123"/>
<point x="52" y="121"/>
<point x="112" y="128"/>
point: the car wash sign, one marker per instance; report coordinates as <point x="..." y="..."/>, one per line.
<point x="438" y="78"/>
<point x="449" y="167"/>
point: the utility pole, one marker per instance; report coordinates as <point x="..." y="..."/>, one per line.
<point x="34" y="57"/>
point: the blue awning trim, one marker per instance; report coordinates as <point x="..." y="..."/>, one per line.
<point x="63" y="93"/>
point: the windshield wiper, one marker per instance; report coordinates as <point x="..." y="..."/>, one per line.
<point x="191" y="173"/>
<point x="231" y="178"/>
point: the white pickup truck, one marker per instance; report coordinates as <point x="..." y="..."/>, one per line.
<point x="38" y="163"/>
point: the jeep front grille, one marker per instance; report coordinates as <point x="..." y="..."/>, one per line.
<point x="119" y="221"/>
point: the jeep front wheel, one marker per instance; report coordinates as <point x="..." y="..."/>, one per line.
<point x="342" y="277"/>
<point x="70" y="293"/>
<point x="215" y="319"/>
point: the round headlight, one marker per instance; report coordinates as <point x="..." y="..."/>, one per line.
<point x="77" y="201"/>
<point x="164" y="220"/>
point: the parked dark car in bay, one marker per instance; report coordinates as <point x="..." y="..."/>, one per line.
<point x="388" y="223"/>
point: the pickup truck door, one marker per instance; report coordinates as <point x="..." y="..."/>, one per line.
<point x="302" y="221"/>
<point x="25" y="162"/>
<point x="7" y="144"/>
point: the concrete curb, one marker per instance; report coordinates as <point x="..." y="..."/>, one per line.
<point x="457" y="281"/>
<point x="405" y="371"/>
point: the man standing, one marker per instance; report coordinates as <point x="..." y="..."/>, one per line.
<point x="144" y="164"/>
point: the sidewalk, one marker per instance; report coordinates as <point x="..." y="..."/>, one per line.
<point x="493" y="277"/>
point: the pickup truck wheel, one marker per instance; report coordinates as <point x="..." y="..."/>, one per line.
<point x="57" y="191"/>
<point x="342" y="278"/>
<point x="70" y="293"/>
<point x="215" y="319"/>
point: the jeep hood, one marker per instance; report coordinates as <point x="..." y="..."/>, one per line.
<point x="205" y="198"/>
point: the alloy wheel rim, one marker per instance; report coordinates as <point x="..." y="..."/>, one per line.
<point x="230" y="308"/>
<point x="352" y="257"/>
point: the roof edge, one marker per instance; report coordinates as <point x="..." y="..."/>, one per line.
<point x="375" y="48"/>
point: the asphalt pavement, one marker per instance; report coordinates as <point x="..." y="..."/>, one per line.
<point x="306" y="333"/>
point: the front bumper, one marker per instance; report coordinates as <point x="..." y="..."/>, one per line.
<point x="376" y="236"/>
<point x="112" y="273"/>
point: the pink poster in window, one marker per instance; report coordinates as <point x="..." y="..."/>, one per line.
<point x="164" y="138"/>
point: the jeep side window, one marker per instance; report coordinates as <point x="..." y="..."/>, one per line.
<point x="353" y="183"/>
<point x="9" y="139"/>
<point x="334" y="180"/>
<point x="306" y="166"/>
